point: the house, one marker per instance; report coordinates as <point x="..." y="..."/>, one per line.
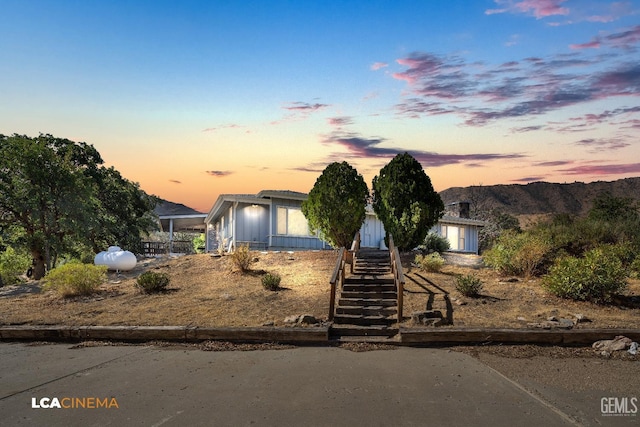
<point x="268" y="220"/>
<point x="455" y="225"/>
<point x="460" y="230"/>
<point x="175" y="218"/>
<point x="273" y="220"/>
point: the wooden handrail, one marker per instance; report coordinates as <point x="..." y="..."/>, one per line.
<point x="337" y="277"/>
<point x="355" y="245"/>
<point x="398" y="275"/>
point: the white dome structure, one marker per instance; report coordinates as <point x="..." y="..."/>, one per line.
<point x="116" y="259"/>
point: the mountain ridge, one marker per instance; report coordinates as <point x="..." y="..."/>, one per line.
<point x="541" y="197"/>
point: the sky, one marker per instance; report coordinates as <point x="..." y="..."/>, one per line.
<point x="193" y="99"/>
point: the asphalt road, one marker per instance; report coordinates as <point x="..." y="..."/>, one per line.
<point x="307" y="386"/>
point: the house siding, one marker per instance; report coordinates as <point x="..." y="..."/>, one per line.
<point x="283" y="241"/>
<point x="252" y="225"/>
<point x="371" y="232"/>
<point x="470" y="235"/>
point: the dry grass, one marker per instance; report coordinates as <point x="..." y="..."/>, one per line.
<point x="206" y="291"/>
<point x="508" y="302"/>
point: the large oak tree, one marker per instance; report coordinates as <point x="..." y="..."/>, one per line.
<point x="60" y="200"/>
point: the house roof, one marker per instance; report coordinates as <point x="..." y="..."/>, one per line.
<point x="264" y="197"/>
<point x="184" y="218"/>
<point x="448" y="219"/>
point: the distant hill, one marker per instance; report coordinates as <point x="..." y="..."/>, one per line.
<point x="541" y="197"/>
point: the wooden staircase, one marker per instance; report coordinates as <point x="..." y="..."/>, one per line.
<point x="368" y="301"/>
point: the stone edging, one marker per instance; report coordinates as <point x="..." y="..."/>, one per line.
<point x="310" y="335"/>
<point x="163" y="333"/>
<point x="512" y="336"/>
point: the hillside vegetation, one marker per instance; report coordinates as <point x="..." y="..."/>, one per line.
<point x="541" y="197"/>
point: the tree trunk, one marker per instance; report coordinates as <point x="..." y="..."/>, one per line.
<point x="39" y="268"/>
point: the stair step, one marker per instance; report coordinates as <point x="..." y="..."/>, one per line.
<point x="367" y="310"/>
<point x="362" y="331"/>
<point x="352" y="319"/>
<point x="369" y="281"/>
<point x="368" y="288"/>
<point x="370" y="295"/>
<point x="350" y="302"/>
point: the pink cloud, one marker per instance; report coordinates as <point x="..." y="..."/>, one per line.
<point x="537" y="8"/>
<point x="339" y="121"/>
<point x="624" y="39"/>
<point x="304" y="106"/>
<point x="229" y="126"/>
<point x="595" y="44"/>
<point x="611" y="169"/>
<point x="218" y="173"/>
<point x="378" y="65"/>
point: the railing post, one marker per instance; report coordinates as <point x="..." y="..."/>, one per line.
<point x="338" y="275"/>
<point x="332" y="301"/>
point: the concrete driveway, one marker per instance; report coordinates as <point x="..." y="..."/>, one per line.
<point x="307" y="386"/>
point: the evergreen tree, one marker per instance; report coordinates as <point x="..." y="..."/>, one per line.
<point x="405" y="201"/>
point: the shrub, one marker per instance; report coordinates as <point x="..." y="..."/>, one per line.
<point x="271" y="281"/>
<point x="635" y="268"/>
<point x="520" y="254"/>
<point x="151" y="282"/>
<point x="12" y="265"/>
<point x="434" y="243"/>
<point x="597" y="277"/>
<point x="432" y="262"/>
<point x="75" y="278"/>
<point x="199" y="243"/>
<point x="241" y="257"/>
<point x="469" y="285"/>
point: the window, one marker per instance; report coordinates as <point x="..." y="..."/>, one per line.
<point x="455" y="236"/>
<point x="292" y="222"/>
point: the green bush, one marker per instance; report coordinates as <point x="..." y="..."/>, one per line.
<point x="199" y="244"/>
<point x="597" y="277"/>
<point x="75" y="278"/>
<point x="634" y="268"/>
<point x="241" y="257"/>
<point x="432" y="262"/>
<point x="519" y="254"/>
<point x="468" y="285"/>
<point x="151" y="282"/>
<point x="271" y="281"/>
<point x="12" y="265"/>
<point x="434" y="243"/>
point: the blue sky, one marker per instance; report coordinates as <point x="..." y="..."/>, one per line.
<point x="196" y="98"/>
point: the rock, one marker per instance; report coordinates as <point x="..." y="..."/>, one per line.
<point x="307" y="319"/>
<point x="427" y="318"/>
<point x="521" y="319"/>
<point x="565" y="324"/>
<point x="301" y="319"/>
<point x="581" y="318"/>
<point x="552" y="319"/>
<point x="553" y="324"/>
<point x="269" y="324"/>
<point x="633" y="349"/>
<point x="461" y="302"/>
<point x="291" y="319"/>
<point x="618" y="343"/>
